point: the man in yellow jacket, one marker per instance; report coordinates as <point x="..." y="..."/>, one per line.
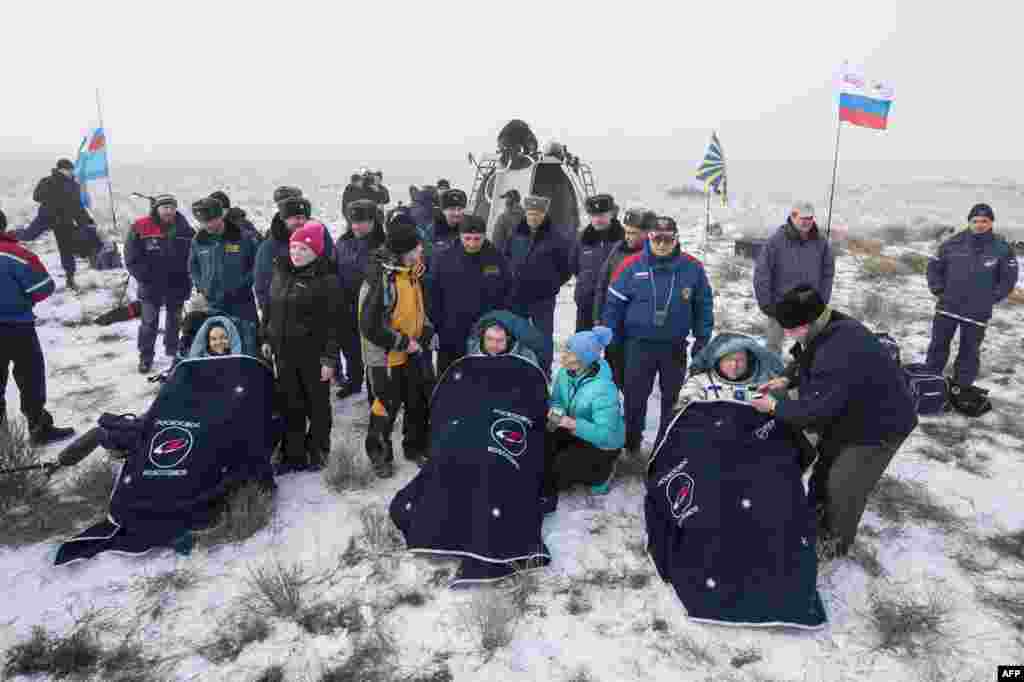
<point x="396" y="336"/>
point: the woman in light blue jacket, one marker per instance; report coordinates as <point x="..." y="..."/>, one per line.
<point x="587" y="430"/>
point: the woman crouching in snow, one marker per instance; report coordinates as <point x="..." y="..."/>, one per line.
<point x="588" y="429"/>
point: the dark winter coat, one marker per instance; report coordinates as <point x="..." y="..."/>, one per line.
<point x="629" y="310"/>
<point x="437" y="237"/>
<point x="850" y="387"/>
<point x="221" y="268"/>
<point x="378" y="299"/>
<point x="423" y="208"/>
<point x="787" y="260"/>
<point x="618" y="254"/>
<point x="971" y="273"/>
<point x="591" y="252"/>
<point x="353" y="254"/>
<point x="61" y="196"/>
<point x="539" y="262"/>
<point x="157" y="256"/>
<point x="507" y="222"/>
<point x="463" y="288"/>
<point x="273" y="247"/>
<point x="239" y="217"/>
<point x="24" y="281"/>
<point x="304" y="315"/>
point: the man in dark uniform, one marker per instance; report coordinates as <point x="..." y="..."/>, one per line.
<point x="60" y="197"/>
<point x="852" y="392"/>
<point x="592" y="249"/>
<point x="973" y="271"/>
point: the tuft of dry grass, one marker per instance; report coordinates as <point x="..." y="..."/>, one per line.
<point x="733" y="269"/>
<point x="276" y="590"/>
<point x="372" y="660"/>
<point x="867" y="558"/>
<point x="1009" y="545"/>
<point x="1008" y="605"/>
<point x="246" y="511"/>
<point x="490" y="618"/>
<point x="379" y="532"/>
<point x="233" y="637"/>
<point x="895" y="233"/>
<point x="347" y="469"/>
<point x="16" y="451"/>
<point x="900" y="501"/>
<point x="907" y="624"/>
<point x="274" y="673"/>
<point x="746" y="657"/>
<point x="326" y="618"/>
<point x="174" y="580"/>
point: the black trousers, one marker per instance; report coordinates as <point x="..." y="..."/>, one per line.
<point x="305" y="400"/>
<point x="569" y="461"/>
<point x="351" y="347"/>
<point x="615" y="354"/>
<point x="19" y="345"/>
<point x="65" y="234"/>
<point x="405" y="387"/>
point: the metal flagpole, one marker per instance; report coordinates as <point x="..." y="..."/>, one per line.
<point x="106" y="150"/>
<point x="832" y="193"/>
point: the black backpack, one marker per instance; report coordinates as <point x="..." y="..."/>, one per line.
<point x="969" y="401"/>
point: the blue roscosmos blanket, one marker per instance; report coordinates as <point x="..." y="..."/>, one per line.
<point x="208" y="431"/>
<point x="728" y="521"/>
<point x="477" y="497"/>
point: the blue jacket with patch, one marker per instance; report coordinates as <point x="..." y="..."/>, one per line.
<point x="971" y="273"/>
<point x="643" y="284"/>
<point x="222" y="268"/>
<point x="157" y="257"/>
<point x="24" y="281"/>
<point x="464" y="287"/>
<point x="592" y="399"/>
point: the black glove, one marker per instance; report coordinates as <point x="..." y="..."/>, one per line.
<point x="768" y="310"/>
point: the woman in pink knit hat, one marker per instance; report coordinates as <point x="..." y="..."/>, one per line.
<point x="302" y="337"/>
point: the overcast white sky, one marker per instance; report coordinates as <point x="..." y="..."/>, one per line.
<point x="431" y="80"/>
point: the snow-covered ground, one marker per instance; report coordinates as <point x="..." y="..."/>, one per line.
<point x="633" y="630"/>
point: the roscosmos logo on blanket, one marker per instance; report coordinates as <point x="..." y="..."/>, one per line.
<point x="169" y="448"/>
<point x="679" y="490"/>
<point x="508" y="432"/>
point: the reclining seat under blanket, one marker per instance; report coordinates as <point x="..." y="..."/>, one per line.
<point x="729" y="523"/>
<point x="208" y="432"/>
<point x="477" y="497"/>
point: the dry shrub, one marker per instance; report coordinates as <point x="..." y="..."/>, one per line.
<point x="490" y="618"/>
<point x="347" y="469"/>
<point x="246" y="512"/>
<point x="861" y="246"/>
<point x="908" y="624"/>
<point x="917" y="262"/>
<point x="882" y="267"/>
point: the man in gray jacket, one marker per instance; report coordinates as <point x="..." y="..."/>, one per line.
<point x="796" y="254"/>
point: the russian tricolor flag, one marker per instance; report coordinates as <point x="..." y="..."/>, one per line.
<point x="863" y="103"/>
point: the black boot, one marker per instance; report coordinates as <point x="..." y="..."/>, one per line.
<point x="378" y="447"/>
<point x="42" y="431"/>
<point x="145" y="366"/>
<point x="70" y="279"/>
